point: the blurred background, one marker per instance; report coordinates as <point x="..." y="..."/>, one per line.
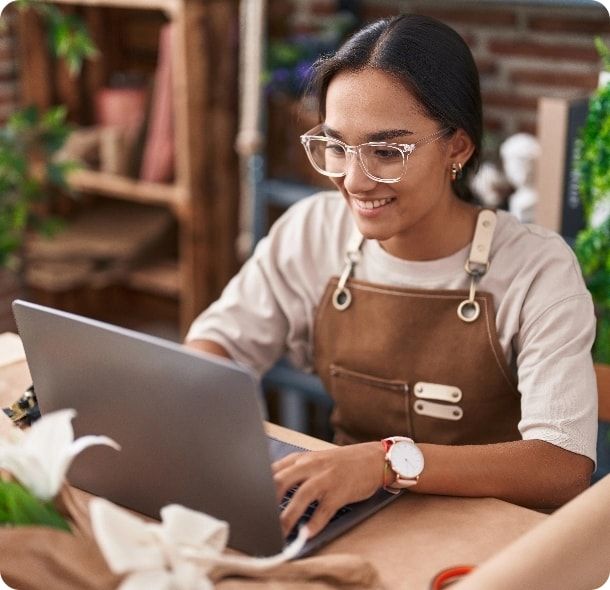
<point x="122" y="194"/>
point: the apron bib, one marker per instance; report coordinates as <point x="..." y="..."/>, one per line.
<point x="426" y="364"/>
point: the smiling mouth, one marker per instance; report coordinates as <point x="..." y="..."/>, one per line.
<point x="371" y="204"/>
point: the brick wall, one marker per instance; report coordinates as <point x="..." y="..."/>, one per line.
<point x="8" y="103"/>
<point x="523" y="52"/>
<point x="8" y="69"/>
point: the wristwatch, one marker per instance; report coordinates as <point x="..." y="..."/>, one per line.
<point x="404" y="462"/>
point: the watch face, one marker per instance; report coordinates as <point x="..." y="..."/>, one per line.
<point x="406" y="459"/>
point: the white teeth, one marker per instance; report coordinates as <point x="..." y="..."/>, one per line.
<point x="371" y="204"/>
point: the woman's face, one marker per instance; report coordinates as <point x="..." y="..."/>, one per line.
<point x="370" y="105"/>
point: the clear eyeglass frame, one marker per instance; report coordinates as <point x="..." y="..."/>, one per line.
<point x="405" y="149"/>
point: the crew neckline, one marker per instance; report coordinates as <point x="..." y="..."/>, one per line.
<point x="418" y="270"/>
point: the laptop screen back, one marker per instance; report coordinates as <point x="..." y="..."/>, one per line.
<point x="189" y="425"/>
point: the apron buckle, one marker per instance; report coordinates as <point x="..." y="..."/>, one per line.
<point x="342" y="298"/>
<point x="469" y="310"/>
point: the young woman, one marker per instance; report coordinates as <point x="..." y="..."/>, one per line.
<point x="454" y="335"/>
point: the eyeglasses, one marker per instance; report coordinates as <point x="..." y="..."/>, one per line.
<point x="381" y="161"/>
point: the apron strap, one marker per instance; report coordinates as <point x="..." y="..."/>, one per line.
<point x="477" y="263"/>
<point x="481" y="243"/>
<point x="342" y="296"/>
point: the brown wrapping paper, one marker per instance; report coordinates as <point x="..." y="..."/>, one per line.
<point x="37" y="558"/>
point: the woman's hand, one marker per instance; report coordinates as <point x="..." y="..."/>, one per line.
<point x="334" y="477"/>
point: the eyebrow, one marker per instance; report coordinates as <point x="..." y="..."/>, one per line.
<point x="383" y="135"/>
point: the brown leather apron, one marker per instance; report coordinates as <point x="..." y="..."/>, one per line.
<point x="426" y="364"/>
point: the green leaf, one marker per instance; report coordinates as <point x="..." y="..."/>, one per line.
<point x="68" y="35"/>
<point x="19" y="506"/>
<point x="31" y="136"/>
<point x="604" y="52"/>
<point x="55" y="117"/>
<point x="601" y="349"/>
<point x="29" y="133"/>
<point x="50" y="226"/>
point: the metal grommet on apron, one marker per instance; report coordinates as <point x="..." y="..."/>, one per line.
<point x="342" y="296"/>
<point x="478" y="263"/>
<point x="469" y="309"/>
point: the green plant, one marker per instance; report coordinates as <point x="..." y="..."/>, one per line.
<point x="28" y="175"/>
<point x="289" y="61"/>
<point x="19" y="507"/>
<point x="30" y="140"/>
<point x="604" y="52"/>
<point x="592" y="245"/>
<point x="68" y="35"/>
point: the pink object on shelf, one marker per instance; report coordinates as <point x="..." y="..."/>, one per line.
<point x="121" y="107"/>
<point x="158" y="155"/>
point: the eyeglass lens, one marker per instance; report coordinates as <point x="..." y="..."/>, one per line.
<point x="381" y="161"/>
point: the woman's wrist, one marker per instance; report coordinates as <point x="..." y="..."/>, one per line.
<point x="377" y="462"/>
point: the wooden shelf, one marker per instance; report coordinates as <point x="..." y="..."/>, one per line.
<point x="168" y="6"/>
<point x="128" y="189"/>
<point x="160" y="277"/>
<point x="204" y="65"/>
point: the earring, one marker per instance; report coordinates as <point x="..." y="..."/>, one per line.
<point x="456" y="171"/>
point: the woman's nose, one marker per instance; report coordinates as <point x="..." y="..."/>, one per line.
<point x="356" y="180"/>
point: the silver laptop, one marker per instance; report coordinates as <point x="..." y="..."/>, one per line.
<point x="190" y="426"/>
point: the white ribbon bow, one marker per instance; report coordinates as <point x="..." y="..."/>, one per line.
<point x="176" y="554"/>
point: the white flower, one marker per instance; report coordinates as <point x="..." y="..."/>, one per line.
<point x="178" y="553"/>
<point x="41" y="456"/>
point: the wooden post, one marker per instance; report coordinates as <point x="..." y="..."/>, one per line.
<point x="205" y="84"/>
<point x="34" y="59"/>
<point x="95" y="72"/>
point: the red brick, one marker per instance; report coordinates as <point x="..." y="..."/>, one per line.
<point x="509" y="100"/>
<point x="543" y="50"/>
<point x="8" y="76"/>
<point x="471" y="40"/>
<point x="279" y="14"/>
<point x="474" y="16"/>
<point x="6" y="54"/>
<point x="322" y="8"/>
<point x="527" y="127"/>
<point x="371" y="12"/>
<point x="8" y="91"/>
<point x="487" y="67"/>
<point x="492" y="123"/>
<point x="554" y="78"/>
<point x="569" y="24"/>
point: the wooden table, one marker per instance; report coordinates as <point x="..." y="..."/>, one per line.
<point x="410" y="540"/>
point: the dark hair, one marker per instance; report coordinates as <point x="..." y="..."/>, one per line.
<point x="430" y="59"/>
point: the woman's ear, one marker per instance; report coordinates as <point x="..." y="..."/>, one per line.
<point x="460" y="147"/>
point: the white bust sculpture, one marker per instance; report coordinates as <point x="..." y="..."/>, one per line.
<point x="519" y="155"/>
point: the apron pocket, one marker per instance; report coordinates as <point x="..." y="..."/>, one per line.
<point x="368" y="407"/>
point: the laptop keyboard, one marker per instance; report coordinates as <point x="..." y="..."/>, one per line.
<point x="278" y="449"/>
<point x="307" y="514"/>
